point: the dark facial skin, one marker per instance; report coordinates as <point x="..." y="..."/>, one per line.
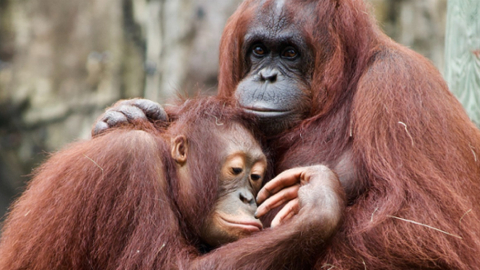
<point x="240" y="178"/>
<point x="278" y="65"/>
<point x="276" y="84"/>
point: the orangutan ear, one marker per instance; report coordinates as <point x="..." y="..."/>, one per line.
<point x="179" y="149"/>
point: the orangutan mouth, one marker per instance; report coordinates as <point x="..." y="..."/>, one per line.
<point x="246" y="225"/>
<point x="266" y="113"/>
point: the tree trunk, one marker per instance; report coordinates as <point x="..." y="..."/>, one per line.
<point x="462" y="54"/>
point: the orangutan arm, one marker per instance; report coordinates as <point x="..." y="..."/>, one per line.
<point x="291" y="245"/>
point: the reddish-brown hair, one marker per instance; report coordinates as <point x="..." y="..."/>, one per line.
<point x="112" y="202"/>
<point x="415" y="151"/>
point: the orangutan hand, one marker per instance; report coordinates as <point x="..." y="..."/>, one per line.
<point x="127" y="111"/>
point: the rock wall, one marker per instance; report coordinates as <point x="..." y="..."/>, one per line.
<point x="417" y="24"/>
<point x="62" y="61"/>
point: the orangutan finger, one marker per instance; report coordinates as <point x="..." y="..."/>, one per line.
<point x="288" y="211"/>
<point x="285" y="179"/>
<point x="152" y="110"/>
<point x="279" y="198"/>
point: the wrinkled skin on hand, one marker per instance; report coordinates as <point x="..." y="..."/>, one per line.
<point x="128" y="111"/>
<point x="314" y="190"/>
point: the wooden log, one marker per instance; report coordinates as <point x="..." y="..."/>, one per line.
<point x="462" y="54"/>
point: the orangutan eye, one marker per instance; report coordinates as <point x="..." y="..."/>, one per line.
<point x="289" y="53"/>
<point x="255" y="177"/>
<point x="236" y="171"/>
<point x="259" y="51"/>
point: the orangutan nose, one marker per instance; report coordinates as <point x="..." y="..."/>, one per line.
<point x="268" y="74"/>
<point x="246" y="196"/>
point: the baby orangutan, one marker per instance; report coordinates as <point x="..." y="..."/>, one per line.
<point x="171" y="197"/>
<point x="145" y="196"/>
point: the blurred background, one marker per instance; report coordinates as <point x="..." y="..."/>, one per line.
<point x="63" y="62"/>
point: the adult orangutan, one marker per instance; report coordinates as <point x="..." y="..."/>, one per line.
<point x="330" y="88"/>
<point x="147" y="199"/>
